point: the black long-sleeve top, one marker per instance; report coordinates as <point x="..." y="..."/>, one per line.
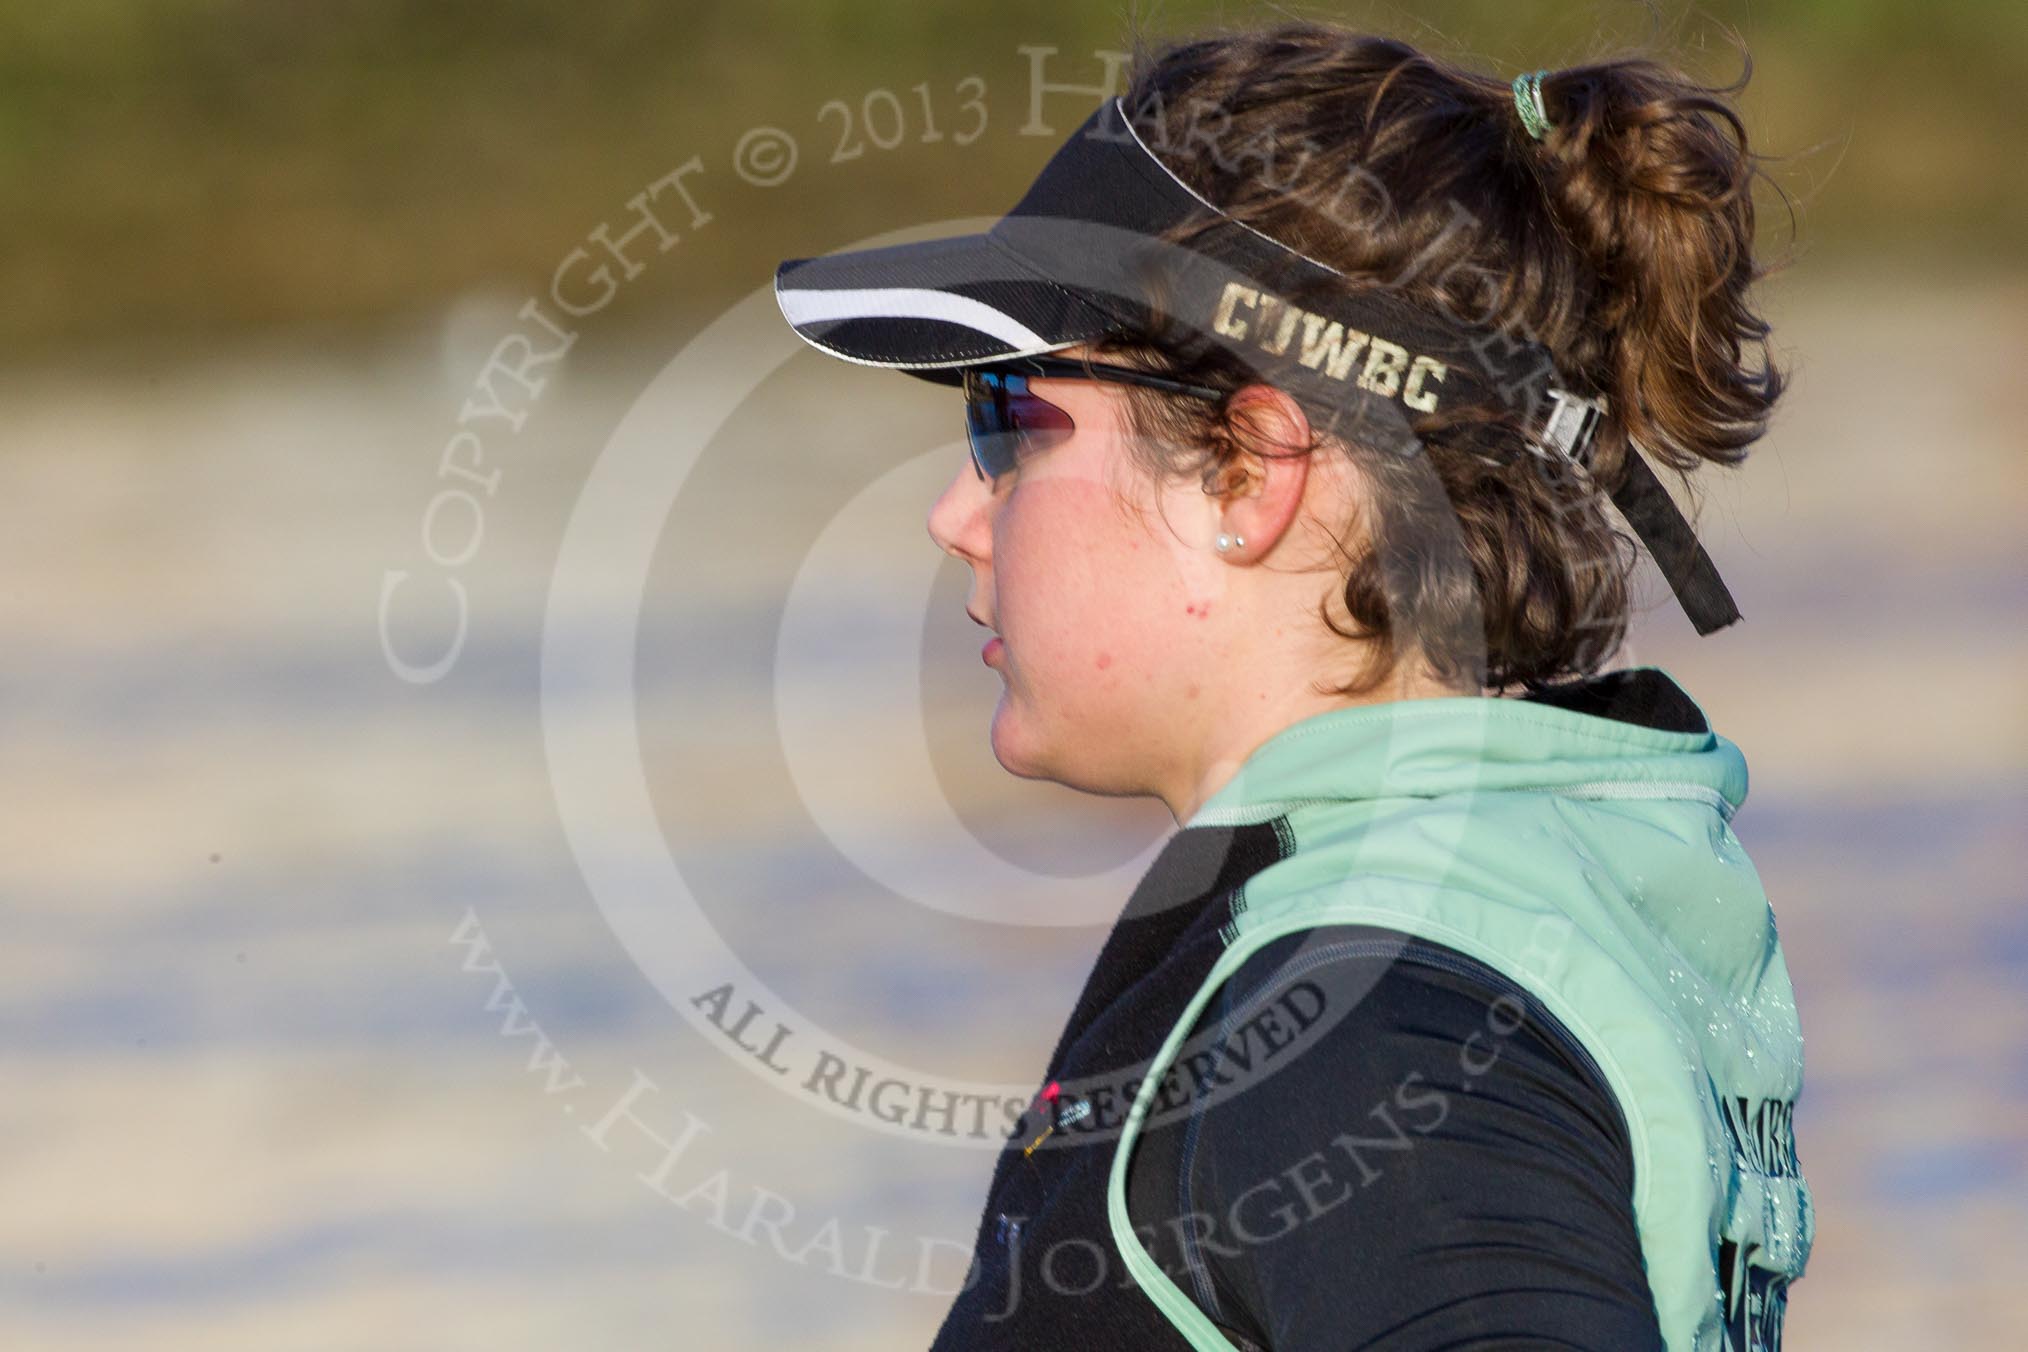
<point x="1436" y="1164"/>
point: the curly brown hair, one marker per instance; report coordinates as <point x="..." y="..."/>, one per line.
<point x="1622" y="242"/>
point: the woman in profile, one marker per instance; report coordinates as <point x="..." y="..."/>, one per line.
<point x="1303" y="388"/>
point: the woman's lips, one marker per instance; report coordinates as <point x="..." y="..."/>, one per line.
<point x="991" y="650"/>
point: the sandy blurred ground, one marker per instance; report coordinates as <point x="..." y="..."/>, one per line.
<point x="249" y="1098"/>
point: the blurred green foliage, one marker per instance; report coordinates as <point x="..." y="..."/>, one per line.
<point x="186" y="166"/>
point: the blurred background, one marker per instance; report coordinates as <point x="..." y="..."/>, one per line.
<point x="324" y="328"/>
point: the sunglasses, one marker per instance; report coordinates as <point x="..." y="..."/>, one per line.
<point x="1006" y="421"/>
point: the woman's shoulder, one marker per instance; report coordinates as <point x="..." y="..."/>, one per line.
<point x="1395" y="1137"/>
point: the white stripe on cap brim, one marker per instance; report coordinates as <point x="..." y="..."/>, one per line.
<point x="802" y="306"/>
<point x="904" y="302"/>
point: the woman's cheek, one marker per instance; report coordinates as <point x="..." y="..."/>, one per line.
<point x="1076" y="580"/>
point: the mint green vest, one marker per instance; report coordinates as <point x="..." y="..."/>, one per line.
<point x="1592" y="861"/>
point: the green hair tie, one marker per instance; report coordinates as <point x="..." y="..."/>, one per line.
<point x="1528" y="103"/>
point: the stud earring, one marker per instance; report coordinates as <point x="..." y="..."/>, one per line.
<point x="1225" y="542"/>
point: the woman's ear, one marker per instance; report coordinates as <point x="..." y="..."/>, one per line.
<point x="1259" y="488"/>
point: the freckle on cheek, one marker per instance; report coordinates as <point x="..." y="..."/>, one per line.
<point x="1191" y="693"/>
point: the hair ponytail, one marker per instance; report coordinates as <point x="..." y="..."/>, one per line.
<point x="1649" y="175"/>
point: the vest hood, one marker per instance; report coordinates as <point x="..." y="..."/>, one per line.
<point x="1609" y="799"/>
<point x="1635" y="728"/>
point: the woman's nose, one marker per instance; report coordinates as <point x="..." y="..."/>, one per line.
<point x="958" y="518"/>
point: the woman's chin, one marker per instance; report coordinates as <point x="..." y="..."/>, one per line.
<point x="1009" y="738"/>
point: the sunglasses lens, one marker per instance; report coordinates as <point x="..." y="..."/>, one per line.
<point x="1006" y="423"/>
<point x="987" y="426"/>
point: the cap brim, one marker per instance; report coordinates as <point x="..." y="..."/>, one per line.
<point x="935" y="307"/>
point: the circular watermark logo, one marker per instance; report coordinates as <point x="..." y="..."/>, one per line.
<point x="593" y="722"/>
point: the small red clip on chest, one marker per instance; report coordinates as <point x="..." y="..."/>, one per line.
<point x="1050" y="1093"/>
